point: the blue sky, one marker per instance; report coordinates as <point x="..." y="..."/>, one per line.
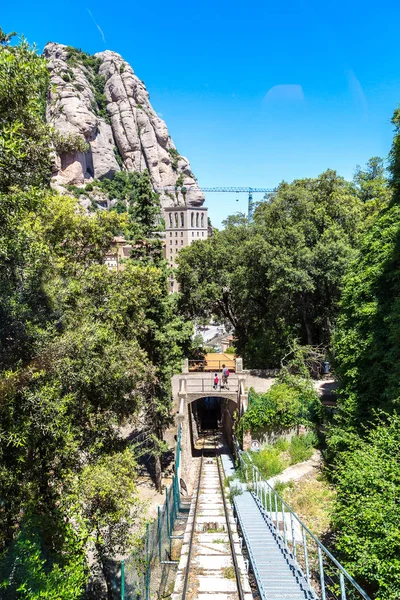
<point x="252" y="92"/>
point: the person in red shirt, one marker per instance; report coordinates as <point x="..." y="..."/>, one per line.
<point x="216" y="381"/>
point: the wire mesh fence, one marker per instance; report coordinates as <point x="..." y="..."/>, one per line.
<point x="149" y="571"/>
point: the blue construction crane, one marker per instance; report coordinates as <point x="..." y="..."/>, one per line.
<point x="248" y="190"/>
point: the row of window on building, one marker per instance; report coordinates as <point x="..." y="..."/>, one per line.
<point x="194" y="217"/>
<point x="198" y="235"/>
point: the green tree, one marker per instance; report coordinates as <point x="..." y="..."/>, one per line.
<point x="280" y="277"/>
<point x="6" y="37"/>
<point x="291" y="401"/>
<point x="83" y="353"/>
<point x="110" y="507"/>
<point x="24" y="135"/>
<point x="363" y="441"/>
<point x="366" y="516"/>
<point x="372" y="187"/>
<point x="367" y="352"/>
<point x="35" y="576"/>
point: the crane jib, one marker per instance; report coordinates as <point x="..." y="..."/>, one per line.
<point x="247" y="190"/>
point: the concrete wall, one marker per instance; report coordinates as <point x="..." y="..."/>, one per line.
<point x="270" y="437"/>
<point x="228" y="409"/>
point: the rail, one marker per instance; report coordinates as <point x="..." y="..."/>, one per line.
<point x="241" y="595"/>
<point x="185" y="583"/>
<point x="206" y="384"/>
<point x="229" y="529"/>
<point x="319" y="567"/>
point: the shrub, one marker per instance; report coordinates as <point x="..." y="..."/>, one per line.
<point x="290" y="401"/>
<point x="230" y="350"/>
<point x="118" y="157"/>
<point x="174" y="158"/>
<point x="76" y="191"/>
<point x="69" y="142"/>
<point x="179" y="181"/>
<point x="77" y="56"/>
<point x="301" y="447"/>
<point x="269" y="461"/>
<point x="100" y="98"/>
<point x="282" y="445"/>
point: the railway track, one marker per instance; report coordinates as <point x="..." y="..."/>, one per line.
<point x="211" y="564"/>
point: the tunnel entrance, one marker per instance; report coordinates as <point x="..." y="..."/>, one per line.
<point x="207" y="413"/>
<point x="211" y="413"/>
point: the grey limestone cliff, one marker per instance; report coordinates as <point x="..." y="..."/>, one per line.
<point x="99" y="101"/>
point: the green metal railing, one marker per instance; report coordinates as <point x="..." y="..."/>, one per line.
<point x="149" y="570"/>
<point x="320" y="568"/>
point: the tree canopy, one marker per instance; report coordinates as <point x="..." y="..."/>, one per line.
<point x="85" y="354"/>
<point x="280" y="277"/>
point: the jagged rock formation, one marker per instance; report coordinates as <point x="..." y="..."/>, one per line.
<point x="99" y="100"/>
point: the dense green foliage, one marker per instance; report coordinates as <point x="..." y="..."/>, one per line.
<point x="366" y="342"/>
<point x="363" y="441"/>
<point x="366" y="516"/>
<point x="280" y="277"/>
<point x="274" y="458"/>
<point x="86" y="355"/>
<point x="69" y="143"/>
<point x="24" y="137"/>
<point x="289" y="402"/>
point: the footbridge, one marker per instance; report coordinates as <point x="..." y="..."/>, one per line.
<point x="203" y="405"/>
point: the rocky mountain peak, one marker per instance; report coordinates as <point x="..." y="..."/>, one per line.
<point x="106" y="123"/>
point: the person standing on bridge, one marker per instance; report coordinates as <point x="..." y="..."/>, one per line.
<point x="225" y="375"/>
<point x="216" y="381"/>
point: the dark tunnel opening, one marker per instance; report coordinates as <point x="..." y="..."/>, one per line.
<point x="207" y="413"/>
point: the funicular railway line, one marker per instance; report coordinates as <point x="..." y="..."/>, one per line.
<point x="211" y="562"/>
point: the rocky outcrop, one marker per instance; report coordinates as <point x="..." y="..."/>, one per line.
<point x="103" y="109"/>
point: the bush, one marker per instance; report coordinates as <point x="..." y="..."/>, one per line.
<point x="75" y="56"/>
<point x="269" y="461"/>
<point x="282" y="445"/>
<point x="288" y="403"/>
<point x="69" y="142"/>
<point x="174" y="158"/>
<point x="230" y="350"/>
<point x="301" y="447"/>
<point x="100" y="97"/>
<point x="76" y="191"/>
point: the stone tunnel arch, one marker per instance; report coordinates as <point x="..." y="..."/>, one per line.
<point x="210" y="412"/>
<point x="193" y="386"/>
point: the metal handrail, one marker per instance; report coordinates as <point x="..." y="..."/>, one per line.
<point x="321" y="548"/>
<point x="207" y="385"/>
<point x="251" y="556"/>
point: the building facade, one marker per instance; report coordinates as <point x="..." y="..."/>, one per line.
<point x="118" y="254"/>
<point x="183" y="226"/>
